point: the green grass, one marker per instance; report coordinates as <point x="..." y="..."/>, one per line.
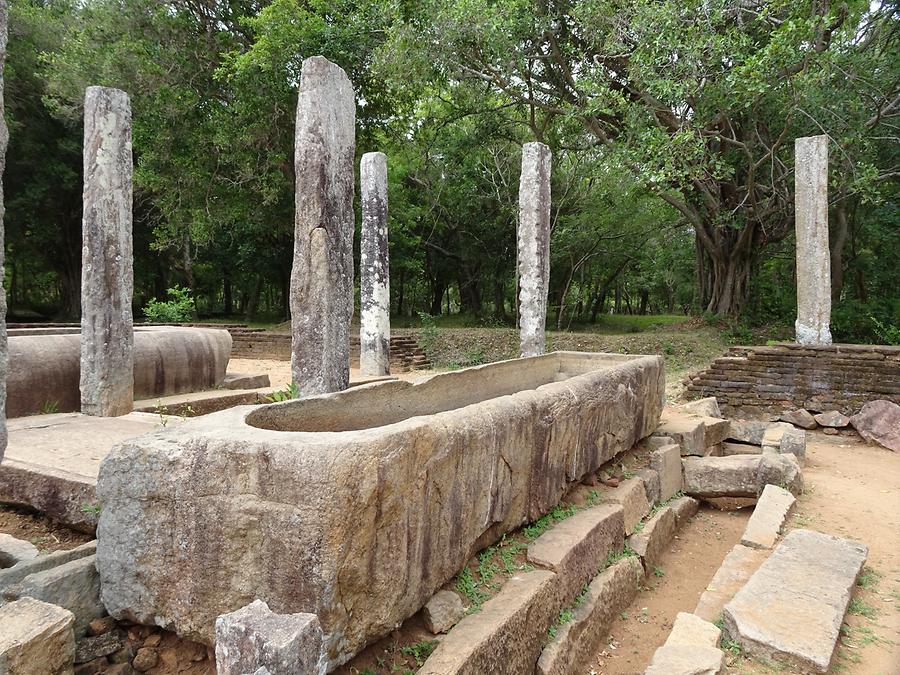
<point x="541" y="525"/>
<point x="861" y="608"/>
<point x="419" y="651"/>
<point x="868" y="578"/>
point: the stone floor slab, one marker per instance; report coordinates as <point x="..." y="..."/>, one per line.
<point x="737" y="567"/>
<point x="632" y="496"/>
<point x="768" y="517"/>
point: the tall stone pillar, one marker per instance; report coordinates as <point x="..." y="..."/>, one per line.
<point x="813" y="325"/>
<point x="534" y="247"/>
<point x="107" y="274"/>
<point x="374" y="272"/>
<point x="322" y="273"/>
<point x="4" y="137"/>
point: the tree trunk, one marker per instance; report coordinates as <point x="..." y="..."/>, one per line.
<point x="839" y="241"/>
<point x="400" y="288"/>
<point x="438" y="288"/>
<point x="227" y="297"/>
<point x="253" y="298"/>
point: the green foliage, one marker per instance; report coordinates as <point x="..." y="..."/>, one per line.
<point x="420" y="650"/>
<point x="289" y="393"/>
<point x="49" y="407"/>
<point x="179" y="309"/>
<point x="534" y="530"/>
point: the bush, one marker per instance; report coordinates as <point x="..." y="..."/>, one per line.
<point x="177" y="310"/>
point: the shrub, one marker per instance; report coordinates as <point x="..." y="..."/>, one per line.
<point x="178" y="309"/>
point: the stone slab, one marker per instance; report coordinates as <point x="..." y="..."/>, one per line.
<point x="687" y="660"/>
<point x="443" y="611"/>
<point x="246" y="381"/>
<point x="632" y="497"/>
<point x="793" y="442"/>
<point x="13" y="550"/>
<point x="685" y="508"/>
<point x="729" y="448"/>
<point x="576" y="642"/>
<point x="740" y="475"/>
<point x="688" y="431"/>
<point x="747" y="431"/>
<point x="666" y="461"/>
<point x="833" y="419"/>
<point x="506" y="635"/>
<point x="799" y="418"/>
<point x="691" y="630"/>
<point x="651" y="485"/>
<point x="768" y="517"/>
<point x="578" y="546"/>
<point x="17" y="573"/>
<point x="792" y="607"/>
<point x="737" y="567"/>
<point x="36" y="638"/>
<point x="653" y="540"/>
<point x="707" y="407"/>
<point x="771" y="441"/>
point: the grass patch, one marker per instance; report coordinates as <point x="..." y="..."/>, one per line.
<point x="541" y="525"/>
<point x="861" y="608"/>
<point x="868" y="578"/>
<point x="419" y="651"/>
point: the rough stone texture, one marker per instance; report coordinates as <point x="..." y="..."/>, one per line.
<point x="534" y="247"/>
<point x="651" y="485"/>
<point x="418" y="478"/>
<point x="246" y="381"/>
<point x="792" y="607"/>
<point x="35" y="637"/>
<point x="736" y="568"/>
<point x="576" y="642"/>
<point x="505" y="637"/>
<point x="879" y="422"/>
<point x="443" y="611"/>
<point x="771" y="441"/>
<point x="690" y="629"/>
<point x="14" y="575"/>
<point x="578" y="546"/>
<point x="793" y="441"/>
<point x="667" y="463"/>
<point x="14" y="550"/>
<point x="632" y="496"/>
<point x="657" y="442"/>
<point x="813" y="324"/>
<point x="693" y="433"/>
<point x="833" y="419"/>
<point x="687" y="660"/>
<point x="768" y="517"/>
<point x="374" y="269"/>
<point x="756" y="381"/>
<point x="98" y="646"/>
<point x="74" y="586"/>
<point x="652" y="541"/>
<point x="322" y="272"/>
<point x="729" y="449"/>
<point x="705" y="407"/>
<point x="684" y="508"/>
<point x="740" y="475"/>
<point x="4" y="137"/>
<point x="254" y="637"/>
<point x="107" y="265"/>
<point x="747" y="431"/>
<point x="799" y="418"/>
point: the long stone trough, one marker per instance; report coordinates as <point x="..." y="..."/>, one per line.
<point x="356" y="506"/>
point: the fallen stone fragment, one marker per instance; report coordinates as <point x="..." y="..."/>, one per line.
<point x="578" y="546"/>
<point x="706" y="407"/>
<point x="654" y="538"/>
<point x="747" y="431"/>
<point x="443" y="611"/>
<point x="833" y="419"/>
<point x="687" y="660"/>
<point x="666" y="461"/>
<point x="800" y="418"/>
<point x="651" y="485"/>
<point x="792" y="607"/>
<point x="147" y="658"/>
<point x="90" y="648"/>
<point x="717" y="430"/>
<point x="632" y="496"/>
<point x="793" y="442"/>
<point x="771" y="441"/>
<point x="576" y="642"/>
<point x="768" y="517"/>
<point x="879" y="422"/>
<point x="36" y="638"/>
<point x="13" y="551"/>
<point x="693" y="433"/>
<point x="729" y="448"/>
<point x="506" y="635"/>
<point x="781" y="470"/>
<point x="13" y="575"/>
<point x="736" y="568"/>
<point x="254" y="637"/>
<point x="657" y="442"/>
<point x="740" y="475"/>
<point x="684" y="508"/>
<point x="101" y="626"/>
<point x="690" y="629"/>
<point x="828" y="431"/>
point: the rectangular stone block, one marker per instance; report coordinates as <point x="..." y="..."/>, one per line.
<point x="768" y="517"/>
<point x="632" y="496"/>
<point x="687" y="660"/>
<point x="14" y="575"/>
<point x="506" y="635"/>
<point x="750" y="431"/>
<point x="736" y="568"/>
<point x="651" y="485"/>
<point x="667" y="463"/>
<point x="652" y="541"/>
<point x="36" y="638"/>
<point x="578" y="546"/>
<point x="685" y="508"/>
<point x="691" y="630"/>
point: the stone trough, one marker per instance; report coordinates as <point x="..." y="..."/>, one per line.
<point x="356" y="506"/>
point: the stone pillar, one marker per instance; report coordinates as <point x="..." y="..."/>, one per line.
<point x="322" y="273"/>
<point x="107" y="275"/>
<point x="813" y="257"/>
<point x="4" y="137"/>
<point x="534" y="247"/>
<point x="374" y="271"/>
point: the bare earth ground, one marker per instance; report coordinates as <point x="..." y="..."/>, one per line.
<point x="279" y="372"/>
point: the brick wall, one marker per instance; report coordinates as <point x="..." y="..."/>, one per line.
<point x="768" y="379"/>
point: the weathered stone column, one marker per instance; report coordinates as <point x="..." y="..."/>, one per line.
<point x="534" y="247"/>
<point x="374" y="271"/>
<point x="4" y="137"/>
<point x="107" y="274"/>
<point x="322" y="273"/>
<point x="813" y="257"/>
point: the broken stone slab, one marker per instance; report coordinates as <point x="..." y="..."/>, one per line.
<point x="740" y="475"/>
<point x="684" y="508"/>
<point x="36" y="638"/>
<point x="14" y="551"/>
<point x="832" y="419"/>
<point x="687" y="660"/>
<point x="800" y="418"/>
<point x="98" y="646"/>
<point x="506" y="635"/>
<point x="632" y="496"/>
<point x="693" y="433"/>
<point x="690" y="629"/>
<point x="781" y="470"/>
<point x="747" y="431"/>
<point x="771" y="441"/>
<point x="705" y="407"/>
<point x="654" y="538"/>
<point x="17" y="573"/>
<point x="577" y="547"/>
<point x="666" y="461"/>
<point x="246" y="381"/>
<point x="443" y="611"/>
<point x="651" y="485"/>
<point x="737" y="567"/>
<point x="879" y="422"/>
<point x="792" y="607"/>
<point x="255" y="637"/>
<point x="657" y="442"/>
<point x="74" y="586"/>
<point x="729" y="449"/>
<point x="607" y="595"/>
<point x="768" y="517"/>
<point x="793" y="442"/>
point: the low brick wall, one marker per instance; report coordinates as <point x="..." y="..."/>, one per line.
<point x="759" y="380"/>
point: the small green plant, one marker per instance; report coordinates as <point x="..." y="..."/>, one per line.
<point x="869" y="578"/>
<point x="428" y="333"/>
<point x="419" y="651"/>
<point x="887" y="334"/>
<point x="659" y="572"/>
<point x="639" y="527"/>
<point x="179" y="308"/>
<point x="368" y="671"/>
<point x="615" y="556"/>
<point x="163" y="412"/>
<point x="593" y="498"/>
<point x="731" y="646"/>
<point x="541" y="525"/>
<point x="289" y="393"/>
<point x="91" y="509"/>
<point x="466" y="586"/>
<point x="49" y="407"/>
<point x="719" y="623"/>
<point x="861" y="608"/>
<point x="623" y="616"/>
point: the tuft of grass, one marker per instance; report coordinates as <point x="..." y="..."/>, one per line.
<point x="861" y="608"/>
<point x="419" y="650"/>
<point x="868" y="578"/>
<point x="541" y="525"/>
<point x="466" y="586"/>
<point x="659" y="572"/>
<point x="731" y="646"/>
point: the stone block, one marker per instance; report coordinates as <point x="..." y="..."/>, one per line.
<point x="793" y="442"/>
<point x="792" y="607"/>
<point x="506" y="635"/>
<point x="632" y="496"/>
<point x="717" y="430"/>
<point x="246" y="381"/>
<point x="684" y="508"/>
<point x="657" y="442"/>
<point x="651" y="485"/>
<point x="729" y="448"/>
<point x="690" y="629"/>
<point x="36" y="638"/>
<point x="654" y="538"/>
<point x="833" y="419"/>
<point x="687" y="660"/>
<point x="799" y="418"/>
<point x="747" y="431"/>
<point x="576" y="642"/>
<point x="13" y="575"/>
<point x="254" y="637"/>
<point x="740" y="475"/>
<point x="688" y="431"/>
<point x="768" y="517"/>
<point x="737" y="567"/>
<point x="879" y="422"/>
<point x="705" y="407"/>
<point x="99" y="646"/>
<point x="781" y="470"/>
<point x="14" y="551"/>
<point x="443" y="611"/>
<point x="578" y="546"/>
<point x="667" y="463"/>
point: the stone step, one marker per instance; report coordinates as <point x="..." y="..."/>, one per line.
<point x="792" y="607"/>
<point x="772" y="509"/>
<point x="737" y="567"/>
<point x="654" y="538"/>
<point x="695" y="434"/>
<point x="632" y="496"/>
<point x="690" y="649"/>
<point x="740" y="475"/>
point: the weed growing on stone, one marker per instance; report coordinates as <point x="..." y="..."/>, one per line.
<point x="565" y="616"/>
<point x="465" y="584"/>
<point x="541" y="525"/>
<point x="49" y="407"/>
<point x="639" y="527"/>
<point x="615" y="556"/>
<point x="92" y="509"/>
<point x="593" y="498"/>
<point x="581" y="597"/>
<point x="419" y="651"/>
<point x="860" y="607"/>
